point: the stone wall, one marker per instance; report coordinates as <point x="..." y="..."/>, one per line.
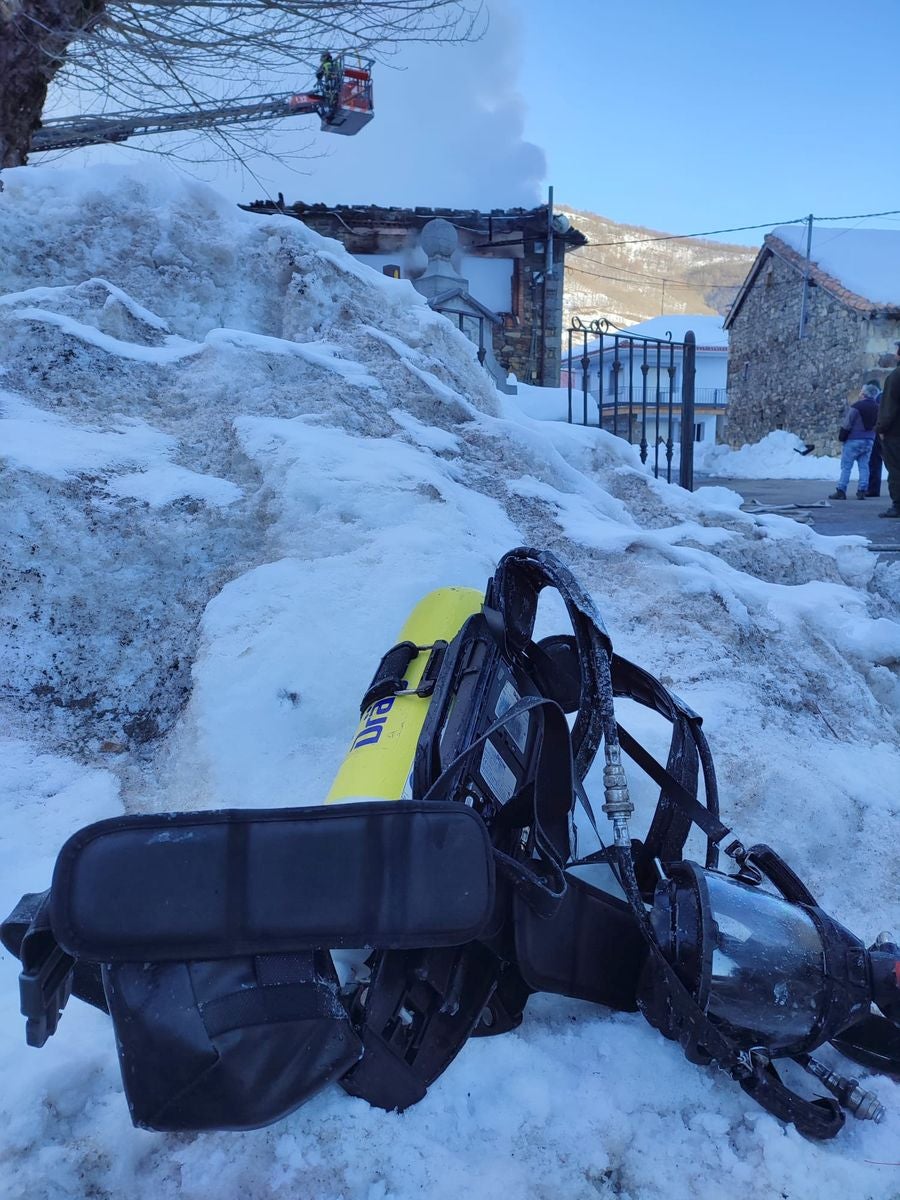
<point x="777" y="380"/>
<point x="529" y="342"/>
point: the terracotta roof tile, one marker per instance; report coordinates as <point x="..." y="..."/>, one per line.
<point x="833" y="286"/>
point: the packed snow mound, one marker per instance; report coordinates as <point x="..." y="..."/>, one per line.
<point x="233" y="459"/>
<point x="779" y="455"/>
<point x="120" y="396"/>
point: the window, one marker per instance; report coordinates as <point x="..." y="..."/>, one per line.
<point x="698" y="432"/>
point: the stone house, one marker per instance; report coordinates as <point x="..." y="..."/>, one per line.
<point x="500" y="279"/>
<point x="848" y="298"/>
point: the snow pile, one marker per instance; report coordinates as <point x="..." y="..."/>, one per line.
<point x="233" y="460"/>
<point x="778" y="456"/>
<point x="552" y="403"/>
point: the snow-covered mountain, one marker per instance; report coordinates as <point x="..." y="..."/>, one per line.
<point x="231" y="460"/>
<point x="628" y="274"/>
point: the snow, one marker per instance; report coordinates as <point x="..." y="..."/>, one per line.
<point x="205" y="557"/>
<point x="863" y="260"/>
<point x="32" y="439"/>
<point x="779" y="455"/>
<point x="707" y="329"/>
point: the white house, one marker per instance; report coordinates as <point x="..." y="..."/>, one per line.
<point x="641" y="365"/>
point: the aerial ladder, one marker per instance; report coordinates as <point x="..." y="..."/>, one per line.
<point x="342" y="99"/>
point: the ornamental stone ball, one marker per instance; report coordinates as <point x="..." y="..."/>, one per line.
<point x="439" y="238"/>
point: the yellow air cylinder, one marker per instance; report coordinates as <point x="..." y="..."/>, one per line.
<point x="380" y="757"/>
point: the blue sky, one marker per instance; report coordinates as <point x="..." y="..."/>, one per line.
<point x="714" y="113"/>
<point x="705" y="115"/>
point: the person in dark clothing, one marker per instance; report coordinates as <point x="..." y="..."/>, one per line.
<point x="859" y="429"/>
<point x="875" y="459"/>
<point x="888" y="429"/>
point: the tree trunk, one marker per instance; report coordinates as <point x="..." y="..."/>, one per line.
<point x="34" y="38"/>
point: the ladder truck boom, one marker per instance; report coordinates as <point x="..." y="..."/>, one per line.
<point x="342" y="101"/>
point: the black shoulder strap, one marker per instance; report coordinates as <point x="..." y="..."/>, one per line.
<point x="678" y="806"/>
<point x="513" y="593"/>
<point x="541" y="881"/>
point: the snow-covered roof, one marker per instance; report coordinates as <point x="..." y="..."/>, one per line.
<point x="859" y="267"/>
<point x="708" y="330"/>
<point x="864" y="261"/>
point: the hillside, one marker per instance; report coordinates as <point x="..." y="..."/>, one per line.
<point x="640" y="279"/>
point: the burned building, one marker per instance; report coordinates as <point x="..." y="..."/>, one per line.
<point x="500" y="278"/>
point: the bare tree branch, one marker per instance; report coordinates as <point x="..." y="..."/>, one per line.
<point x="121" y="54"/>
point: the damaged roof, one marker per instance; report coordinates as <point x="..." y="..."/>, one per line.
<point x="357" y="218"/>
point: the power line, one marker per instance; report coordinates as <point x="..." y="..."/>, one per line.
<point x="643" y="275"/>
<point x="659" y="279"/>
<point x="891" y="212"/>
<point x="674" y="237"/>
<point x="662" y="280"/>
<point x="786" y="286"/>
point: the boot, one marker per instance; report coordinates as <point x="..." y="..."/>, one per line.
<point x="893" y="511"/>
<point x="838" y="494"/>
<point x="861" y="495"/>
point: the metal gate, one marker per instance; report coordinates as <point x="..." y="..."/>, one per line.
<point x="640" y="388"/>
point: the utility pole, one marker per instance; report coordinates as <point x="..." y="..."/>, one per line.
<point x="545" y="283"/>
<point x="805" y="296"/>
<point x="549" y="256"/>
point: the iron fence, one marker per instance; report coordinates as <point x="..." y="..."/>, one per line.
<point x="636" y="403"/>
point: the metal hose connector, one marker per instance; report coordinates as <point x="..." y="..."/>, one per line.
<point x="617" y="806"/>
<point x="864" y="1105"/>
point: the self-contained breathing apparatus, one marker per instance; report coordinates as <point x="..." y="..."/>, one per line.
<point x="214" y="939"/>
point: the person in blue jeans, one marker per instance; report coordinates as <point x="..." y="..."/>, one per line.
<point x="859" y="427"/>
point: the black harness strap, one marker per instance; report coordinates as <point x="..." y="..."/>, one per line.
<point x="873" y="1042"/>
<point x="678" y="806"/>
<point x="691" y="807"/>
<point x="513" y="593"/>
<point x="821" y="1118"/>
<point x="541" y="882"/>
<point x="304" y="1001"/>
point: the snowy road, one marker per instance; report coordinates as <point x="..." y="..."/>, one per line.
<point x="839" y="518"/>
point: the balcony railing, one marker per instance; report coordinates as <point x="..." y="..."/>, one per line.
<point x="704" y="397"/>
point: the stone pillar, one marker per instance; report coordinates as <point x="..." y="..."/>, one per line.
<point x="440" y="241"/>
